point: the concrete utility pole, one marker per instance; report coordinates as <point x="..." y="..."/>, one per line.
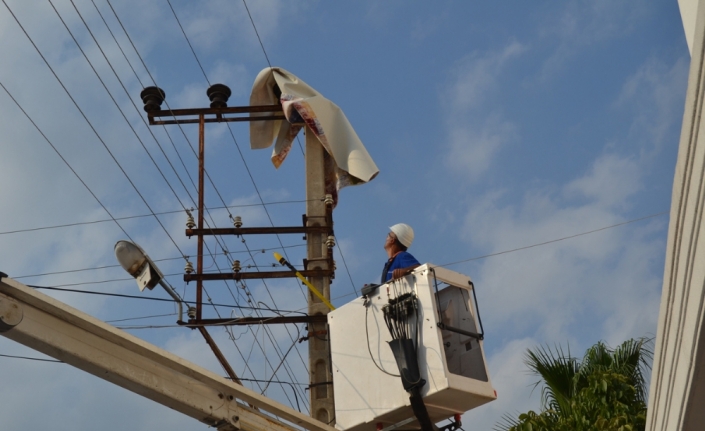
<point x="55" y="329"/>
<point x="317" y="227"/>
<point x="318" y="214"/>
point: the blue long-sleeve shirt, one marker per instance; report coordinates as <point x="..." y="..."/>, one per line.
<point x="401" y="260"/>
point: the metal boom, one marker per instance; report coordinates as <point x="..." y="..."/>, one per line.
<point x="62" y="332"/>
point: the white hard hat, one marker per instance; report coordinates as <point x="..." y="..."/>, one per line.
<point x="404" y="233"/>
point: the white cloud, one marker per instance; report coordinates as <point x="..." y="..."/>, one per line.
<point x="657" y="90"/>
<point x="476" y="128"/>
<point x="476" y="76"/>
<point x="216" y="25"/>
<point x="580" y="24"/>
<point x="612" y="180"/>
<point x="472" y="148"/>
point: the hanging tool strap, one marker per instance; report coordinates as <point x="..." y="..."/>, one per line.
<point x="386" y="269"/>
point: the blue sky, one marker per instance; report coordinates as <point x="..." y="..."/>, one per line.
<point x="495" y="126"/>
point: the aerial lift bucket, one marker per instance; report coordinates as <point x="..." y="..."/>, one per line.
<point x="442" y="321"/>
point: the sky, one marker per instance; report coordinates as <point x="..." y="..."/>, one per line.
<point x="498" y="128"/>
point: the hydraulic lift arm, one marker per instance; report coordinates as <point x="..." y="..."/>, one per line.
<point x="62" y="332"/>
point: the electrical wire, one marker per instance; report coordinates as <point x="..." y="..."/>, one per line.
<point x="555" y="240"/>
<point x="269" y="63"/>
<point x="32" y="359"/>
<point x="164" y="153"/>
<point x="147" y="298"/>
<point x="291" y="384"/>
<point x="121" y="24"/>
<point x="215" y="188"/>
<point x="251" y="178"/>
<point x="369" y="349"/>
<point x="340" y="250"/>
<point x="141" y="317"/>
<point x="56" y="150"/>
<point x="145" y="123"/>
<point x="505" y="251"/>
<point x="188" y="41"/>
<point x="142" y="215"/>
<point x="274" y="372"/>
<point x="257" y="33"/>
<point x="117" y="43"/>
<point x="89" y="122"/>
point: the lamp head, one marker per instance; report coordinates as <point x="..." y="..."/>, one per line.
<point x="136" y="262"/>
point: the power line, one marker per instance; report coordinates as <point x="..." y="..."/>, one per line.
<point x="145" y="123"/>
<point x="443" y="265"/>
<point x="140" y="317"/>
<point x="121" y="113"/>
<point x="555" y="240"/>
<point x="112" y="218"/>
<point x="87" y="120"/>
<point x="147" y="69"/>
<point x="148" y="298"/>
<point x="118" y="44"/>
<point x="32" y="359"/>
<point x="69" y="271"/>
<point x="267" y="58"/>
<point x="257" y="33"/>
<point x="188" y="41"/>
<point x="215" y="188"/>
<point x="146" y="215"/>
<point x="340" y="250"/>
<point x="256" y="190"/>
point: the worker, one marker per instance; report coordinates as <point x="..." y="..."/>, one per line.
<point x="400" y="262"/>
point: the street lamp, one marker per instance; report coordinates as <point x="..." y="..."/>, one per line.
<point x="137" y="263"/>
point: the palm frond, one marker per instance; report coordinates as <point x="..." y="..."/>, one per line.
<point x="557" y="370"/>
<point x="632" y="359"/>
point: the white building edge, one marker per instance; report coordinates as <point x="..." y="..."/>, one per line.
<point x="677" y="391"/>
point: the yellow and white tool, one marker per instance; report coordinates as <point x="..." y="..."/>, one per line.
<point x="315" y="291"/>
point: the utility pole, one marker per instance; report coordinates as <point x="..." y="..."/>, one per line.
<point x="317" y="226"/>
<point x="318" y="213"/>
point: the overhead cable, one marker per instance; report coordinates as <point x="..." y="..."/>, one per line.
<point x="88" y="121"/>
<point x="143" y="215"/>
<point x="95" y="268"/>
<point x="554" y="240"/>
<point x="31" y="359"/>
<point x="148" y="298"/>
<point x="253" y="183"/>
<point x="139" y="114"/>
<point x="112" y="218"/>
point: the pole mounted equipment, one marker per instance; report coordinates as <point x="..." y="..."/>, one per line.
<point x="153" y="97"/>
<point x="218" y="95"/>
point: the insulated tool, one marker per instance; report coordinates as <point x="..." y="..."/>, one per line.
<point x="315" y="291"/>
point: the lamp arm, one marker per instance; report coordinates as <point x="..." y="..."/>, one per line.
<point x="176" y="297"/>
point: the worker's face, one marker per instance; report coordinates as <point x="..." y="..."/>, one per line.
<point x="391" y="239"/>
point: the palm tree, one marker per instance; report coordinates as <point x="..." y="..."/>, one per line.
<point x="605" y="391"/>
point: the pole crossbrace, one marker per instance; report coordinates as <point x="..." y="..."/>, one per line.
<point x="215" y="115"/>
<point x="283" y="230"/>
<point x="213" y="276"/>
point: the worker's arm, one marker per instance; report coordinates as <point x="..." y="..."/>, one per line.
<point x="400" y="272"/>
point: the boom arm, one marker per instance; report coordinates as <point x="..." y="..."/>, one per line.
<point x="55" y="329"/>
